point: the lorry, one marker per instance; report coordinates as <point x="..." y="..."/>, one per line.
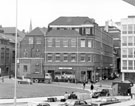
<point x="40" y="77"/>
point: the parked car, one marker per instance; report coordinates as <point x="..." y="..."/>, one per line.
<point x="38" y="104"/>
<point x="75" y="102"/>
<point x="24" y="81"/>
<point x="103" y="92"/>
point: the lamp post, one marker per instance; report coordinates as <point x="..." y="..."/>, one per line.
<point x="15" y="53"/>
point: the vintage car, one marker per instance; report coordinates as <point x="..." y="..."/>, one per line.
<point x="75" y="102"/>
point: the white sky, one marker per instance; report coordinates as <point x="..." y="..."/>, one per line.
<point x="42" y="12"/>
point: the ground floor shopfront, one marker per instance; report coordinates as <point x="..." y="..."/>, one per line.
<point x="81" y="73"/>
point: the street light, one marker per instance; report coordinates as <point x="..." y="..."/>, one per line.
<point x="15" y="53"/>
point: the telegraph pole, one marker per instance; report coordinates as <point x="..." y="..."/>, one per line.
<point x="15" y="53"/>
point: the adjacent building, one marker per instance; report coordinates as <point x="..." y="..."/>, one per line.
<point x="7" y="49"/>
<point x="128" y="48"/>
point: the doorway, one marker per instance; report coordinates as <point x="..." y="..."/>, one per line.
<point x="89" y="75"/>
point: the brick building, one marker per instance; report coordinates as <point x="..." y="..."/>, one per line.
<point x="71" y="45"/>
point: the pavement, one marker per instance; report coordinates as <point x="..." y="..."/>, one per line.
<point x="101" y="84"/>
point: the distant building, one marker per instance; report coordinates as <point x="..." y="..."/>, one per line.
<point x="128" y="48"/>
<point x="7" y="49"/>
<point x="31" y="55"/>
<point x="115" y="32"/>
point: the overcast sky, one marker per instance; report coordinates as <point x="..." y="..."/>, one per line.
<point x="42" y="12"/>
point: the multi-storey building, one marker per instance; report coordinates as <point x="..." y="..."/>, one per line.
<point x="128" y="48"/>
<point x="31" y="55"/>
<point x="79" y="46"/>
<point x="71" y="45"/>
<point x="115" y="32"/>
<point x="7" y="49"/>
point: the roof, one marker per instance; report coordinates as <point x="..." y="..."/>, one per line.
<point x="12" y="30"/>
<point x="64" y="33"/>
<point x="132" y="2"/>
<point x="72" y="21"/>
<point x="38" y="31"/>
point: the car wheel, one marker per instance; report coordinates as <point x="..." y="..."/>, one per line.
<point x="36" y="80"/>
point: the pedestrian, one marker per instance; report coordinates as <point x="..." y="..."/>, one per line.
<point x="129" y="92"/>
<point x="84" y="84"/>
<point x="91" y="87"/>
<point x="66" y="96"/>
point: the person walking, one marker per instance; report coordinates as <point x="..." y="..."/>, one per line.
<point x="84" y="84"/>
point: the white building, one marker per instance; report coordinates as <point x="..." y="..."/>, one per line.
<point x="128" y="48"/>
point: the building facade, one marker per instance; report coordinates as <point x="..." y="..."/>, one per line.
<point x="72" y="46"/>
<point x="31" y="55"/>
<point x="77" y="45"/>
<point x="128" y="48"/>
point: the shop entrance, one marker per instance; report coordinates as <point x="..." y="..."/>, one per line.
<point x="52" y="73"/>
<point x="89" y="75"/>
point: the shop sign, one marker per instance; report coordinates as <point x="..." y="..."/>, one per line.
<point x="69" y="68"/>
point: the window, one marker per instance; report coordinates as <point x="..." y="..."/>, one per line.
<point x="38" y="40"/>
<point x="124" y="29"/>
<point x="37" y="53"/>
<point x="65" y="42"/>
<point x="77" y="29"/>
<point x="82" y="42"/>
<point x="65" y="57"/>
<point x="57" y="57"/>
<point x="89" y="43"/>
<point x="30" y="40"/>
<point x="87" y="31"/>
<point x="57" y="42"/>
<point x="124" y="64"/>
<point x="73" y="42"/>
<point x="25" y="53"/>
<point x="130" y="40"/>
<point x="49" y="42"/>
<point x="124" y="40"/>
<point x="130" y="29"/>
<point x="49" y="57"/>
<point x="2" y="55"/>
<point x="134" y="29"/>
<point x="130" y="52"/>
<point x="25" y="68"/>
<point x="124" y="52"/>
<point x="82" y="58"/>
<point x="130" y="64"/>
<point x="89" y="58"/>
<point x="73" y="57"/>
